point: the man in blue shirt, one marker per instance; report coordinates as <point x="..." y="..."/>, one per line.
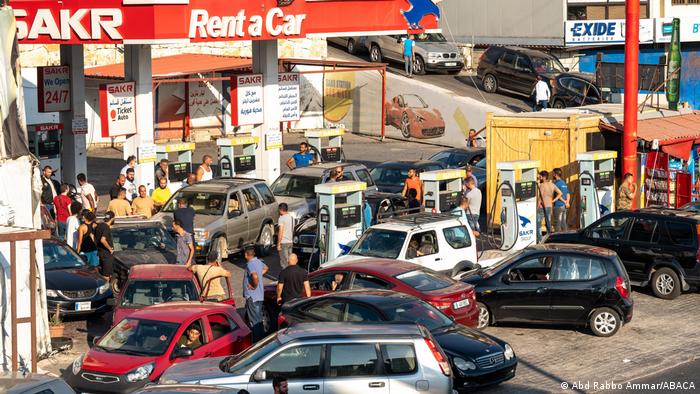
<point x="253" y="292"/>
<point x="409" y="55"/>
<point x="561" y="203"/>
<point x="303" y="158"/>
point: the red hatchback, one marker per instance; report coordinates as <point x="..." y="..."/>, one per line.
<point x="450" y="296"/>
<point x="152" y="284"/>
<point x="140" y="347"/>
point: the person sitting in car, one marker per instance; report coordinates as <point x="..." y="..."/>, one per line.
<point x="337" y="280"/>
<point x="191" y="337"/>
<point x="412" y="251"/>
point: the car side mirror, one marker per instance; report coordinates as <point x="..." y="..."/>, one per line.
<point x="234" y="213"/>
<point x="182" y="352"/>
<point x="259" y="375"/>
<point x="95" y="340"/>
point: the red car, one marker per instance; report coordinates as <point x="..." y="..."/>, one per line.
<point x="410" y="114"/>
<point x="450" y="296"/>
<point x="139" y="348"/>
<point x="152" y="284"/>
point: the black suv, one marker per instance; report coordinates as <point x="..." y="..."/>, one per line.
<point x="658" y="247"/>
<point x="516" y="69"/>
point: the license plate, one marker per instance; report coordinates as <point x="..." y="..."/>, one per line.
<point x="83" y="306"/>
<point x="307" y="250"/>
<point x="450" y="64"/>
<point x="460" y="304"/>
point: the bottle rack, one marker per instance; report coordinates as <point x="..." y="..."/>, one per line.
<point x="657" y="187"/>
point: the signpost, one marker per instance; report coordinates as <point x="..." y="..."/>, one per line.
<point x="289" y="96"/>
<point x="53" y="88"/>
<point x="247" y="99"/>
<point x="118" y="109"/>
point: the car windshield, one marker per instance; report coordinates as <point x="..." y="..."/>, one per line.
<point x="481" y="163"/>
<point x="423" y="280"/>
<point x="57" y="256"/>
<point x="141" y="238"/>
<point x="547" y="65"/>
<point x="240" y="362"/>
<point x="139" y="337"/>
<point x="502" y="263"/>
<point x="417" y="312"/>
<point x="692" y="206"/>
<point x="413" y="101"/>
<point x="389" y="175"/>
<point x="430" y="37"/>
<point x="203" y="203"/>
<point x="150" y="292"/>
<point x="379" y="243"/>
<point x="289" y="185"/>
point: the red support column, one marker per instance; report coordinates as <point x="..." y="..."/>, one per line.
<point x="629" y="135"/>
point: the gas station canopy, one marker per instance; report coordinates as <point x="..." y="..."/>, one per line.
<point x="185" y="21"/>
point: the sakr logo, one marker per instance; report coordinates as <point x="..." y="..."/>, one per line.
<point x="524" y="221"/>
<point x="418" y="10"/>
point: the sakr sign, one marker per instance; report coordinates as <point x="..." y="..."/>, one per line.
<point x="118" y="109"/>
<point x="53" y="88"/>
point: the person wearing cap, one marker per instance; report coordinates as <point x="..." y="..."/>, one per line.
<point x="105" y="247"/>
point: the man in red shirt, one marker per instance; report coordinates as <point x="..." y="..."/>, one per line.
<point x="62" y="205"/>
<point x="413" y="182"/>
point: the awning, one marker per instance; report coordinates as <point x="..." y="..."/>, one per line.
<point x="177" y="65"/>
<point x="676" y="134"/>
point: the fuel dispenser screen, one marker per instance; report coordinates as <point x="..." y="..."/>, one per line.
<point x="46" y="143"/>
<point x="331" y="154"/>
<point x="244" y="163"/>
<point x="604" y="178"/>
<point x="525" y="190"/>
<point x="449" y="200"/>
<point x="177" y="172"/>
<point x="347" y="216"/>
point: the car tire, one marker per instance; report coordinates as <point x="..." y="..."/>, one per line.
<point x="419" y="66"/>
<point x="375" y="54"/>
<point x="405" y="126"/>
<point x="604" y="322"/>
<point x="115" y="284"/>
<point x="269" y="320"/>
<point x="484" y="316"/>
<point x="558" y="104"/>
<point x="351" y="46"/>
<point x="666" y="284"/>
<point x="265" y="241"/>
<point x="490" y="83"/>
<point x="220" y="245"/>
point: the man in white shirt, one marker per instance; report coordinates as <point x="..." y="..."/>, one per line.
<point x="87" y="192"/>
<point x="72" y="224"/>
<point x="542" y="94"/>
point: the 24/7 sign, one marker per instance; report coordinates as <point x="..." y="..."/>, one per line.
<point x="53" y="88"/>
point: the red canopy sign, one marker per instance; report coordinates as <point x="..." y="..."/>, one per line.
<point x="181" y="21"/>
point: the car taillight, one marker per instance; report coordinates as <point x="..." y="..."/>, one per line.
<point x="439" y="356"/>
<point x="621" y="287"/>
<point x="441" y="305"/>
<point x="281" y="320"/>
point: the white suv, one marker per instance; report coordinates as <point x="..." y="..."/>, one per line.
<point x="441" y="242"/>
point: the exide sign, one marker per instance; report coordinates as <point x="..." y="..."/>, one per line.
<point x="605" y="31"/>
<point x="582" y="29"/>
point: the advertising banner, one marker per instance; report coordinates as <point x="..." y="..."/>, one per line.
<point x="53" y="84"/>
<point x="608" y="31"/>
<point x="118" y="109"/>
<point x="689" y="29"/>
<point x="246" y="99"/>
<point x="205" y="104"/>
<point x="289" y="96"/>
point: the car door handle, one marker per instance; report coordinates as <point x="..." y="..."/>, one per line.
<point x="438" y="259"/>
<point x="657" y="250"/>
<point x="542" y="290"/>
<point x="376" y="384"/>
<point x="310" y="387"/>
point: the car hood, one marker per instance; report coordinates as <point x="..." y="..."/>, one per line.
<point x="200" y="221"/>
<point x="390" y="188"/>
<point x="437" y="46"/>
<point x="194" y="371"/>
<point x="145" y="256"/>
<point x="73" y="279"/>
<point x="572" y="236"/>
<point x="116" y="363"/>
<point x="298" y="206"/>
<point x="342" y="260"/>
<point x="466" y="342"/>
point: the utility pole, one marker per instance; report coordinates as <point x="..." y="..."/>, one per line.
<point x="629" y="134"/>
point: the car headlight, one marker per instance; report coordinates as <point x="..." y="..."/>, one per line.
<point x="201" y="235"/>
<point x="508" y="353"/>
<point x="51" y="293"/>
<point x="140" y="373"/>
<point x="295" y="239"/>
<point x="78" y="364"/>
<point x="168" y="381"/>
<point x="463" y="365"/>
<point x="104" y="288"/>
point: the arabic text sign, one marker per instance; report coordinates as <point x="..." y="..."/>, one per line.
<point x="54" y="88"/>
<point x="118" y="109"/>
<point x="204" y="103"/>
<point x="609" y="31"/>
<point x="289" y="96"/>
<point x="247" y="99"/>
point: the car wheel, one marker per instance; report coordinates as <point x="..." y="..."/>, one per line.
<point x="558" y="104"/>
<point x="419" y="66"/>
<point x="490" y="83"/>
<point x="375" y="54"/>
<point x="666" y="284"/>
<point x="405" y="126"/>
<point x="604" y="322"/>
<point x="269" y="322"/>
<point x="265" y="241"/>
<point x="351" y="48"/>
<point x="220" y="246"/>
<point x="484" y="316"/>
<point x="115" y="284"/>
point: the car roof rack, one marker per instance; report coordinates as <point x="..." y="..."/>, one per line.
<point x="402" y="216"/>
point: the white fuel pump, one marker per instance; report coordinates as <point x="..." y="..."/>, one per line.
<point x="597" y="179"/>
<point x="328" y="143"/>
<point x="518" y="191"/>
<point x="237" y="156"/>
<point x="177" y="170"/>
<point x="339" y="217"/>
<point x="442" y="189"/>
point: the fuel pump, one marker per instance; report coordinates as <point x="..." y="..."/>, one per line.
<point x="339" y="216"/>
<point x="442" y="189"/>
<point x="518" y="191"/>
<point x="45" y="144"/>
<point x="332" y="151"/>
<point x="237" y="156"/>
<point x="597" y="179"/>
<point x="177" y="171"/>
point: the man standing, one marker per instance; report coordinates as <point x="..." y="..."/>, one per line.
<point x="143" y="204"/>
<point x="542" y="94"/>
<point x="285" y="234"/>
<point x="561" y="204"/>
<point x="191" y="179"/>
<point x="473" y="141"/>
<point x="207" y="274"/>
<point x="303" y="158"/>
<point x="130" y="185"/>
<point x="469" y="174"/>
<point x="72" y="224"/>
<point x="130" y="163"/>
<point x="473" y="196"/>
<point x="253" y="293"/>
<point x="293" y="282"/>
<point x="185" y="247"/>
<point x="87" y="193"/>
<point x="204" y="172"/>
<point x="626" y="192"/>
<point x="185" y="215"/>
<point x="162" y="170"/>
<point x="62" y="206"/>
<point x="161" y="194"/>
<point x="413" y="182"/>
<point x="49" y="188"/>
<point x="119" y="184"/>
<point x="105" y="247"/>
<point x="119" y="205"/>
<point x="545" y="203"/>
<point x="409" y="56"/>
